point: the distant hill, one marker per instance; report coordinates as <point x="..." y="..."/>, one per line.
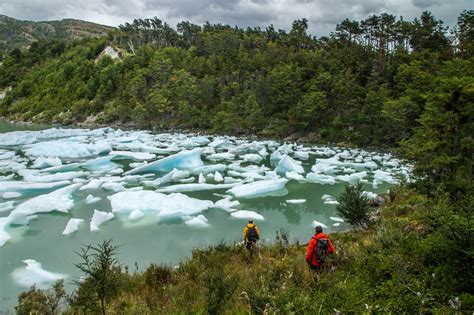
<point x="20" y="34"/>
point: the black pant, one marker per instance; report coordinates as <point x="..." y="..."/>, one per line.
<point x="249" y="244"/>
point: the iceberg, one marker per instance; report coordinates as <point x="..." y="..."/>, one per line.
<point x="225" y="156"/>
<point x="301" y="155"/>
<point x="26" y="188"/>
<point x="227" y="204"/>
<point x="317" y="223"/>
<point x="137" y="156"/>
<point x="336" y="219"/>
<point x="59" y="200"/>
<point x="260" y="188"/>
<point x="136" y="215"/>
<point x="11" y="195"/>
<point x="163" y="205"/>
<point x="202" y="179"/>
<point x="295" y="176"/>
<point x="182" y="160"/>
<point x="44" y="162"/>
<point x="101" y="164"/>
<point x="200" y="221"/>
<point x="98" y="218"/>
<point x="295" y="201"/>
<point x="173" y="176"/>
<point x="34" y="274"/>
<point x="34" y="176"/>
<point x="218" y="177"/>
<point x="329" y="200"/>
<point x="5" y="206"/>
<point x="246" y="214"/>
<point x="91" y="199"/>
<point x="320" y="179"/>
<point x="287" y="164"/>
<point x="352" y="178"/>
<point x="194" y="187"/>
<point x="67" y="149"/>
<point x="113" y="186"/>
<point x="207" y="169"/>
<point x="252" y="157"/>
<point x="72" y="226"/>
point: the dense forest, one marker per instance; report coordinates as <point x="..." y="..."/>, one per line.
<point x="382" y="81"/>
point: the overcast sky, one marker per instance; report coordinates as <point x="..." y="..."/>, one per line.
<point x="323" y="15"/>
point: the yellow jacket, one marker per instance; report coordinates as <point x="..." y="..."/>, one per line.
<point x="246" y="230"/>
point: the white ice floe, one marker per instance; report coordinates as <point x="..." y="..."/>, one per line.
<point x="225" y="156"/>
<point x="246" y="214"/>
<point x="194" y="187"/>
<point x="227" y="204"/>
<point x="72" y="226"/>
<point x="68" y="149"/>
<point x="5" y="206"/>
<point x="260" y="188"/>
<point x="44" y="162"/>
<point x="113" y="186"/>
<point x="252" y="157"/>
<point x="98" y="218"/>
<point x="35" y="176"/>
<point x="329" y="200"/>
<point x="294" y="176"/>
<point x="173" y="176"/>
<point x="336" y="219"/>
<point x="369" y="194"/>
<point x="336" y="224"/>
<point x="4" y="235"/>
<point x="25" y="188"/>
<point x="163" y="205"/>
<point x="101" y="164"/>
<point x="202" y="179"/>
<point x="320" y="179"/>
<point x="182" y="160"/>
<point x="200" y="221"/>
<point x="91" y="199"/>
<point x="34" y="274"/>
<point x="11" y="195"/>
<point x="352" y="178"/>
<point x="136" y="215"/>
<point x="137" y="156"/>
<point x="288" y="164"/>
<point x="301" y="155"/>
<point x="218" y="177"/>
<point x="58" y="200"/>
<point x="317" y="223"/>
<point x="295" y="201"/>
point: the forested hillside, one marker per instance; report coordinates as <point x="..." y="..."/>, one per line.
<point x="21" y="34"/>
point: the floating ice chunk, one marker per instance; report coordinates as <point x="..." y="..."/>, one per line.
<point x="137" y="156"/>
<point x="26" y="188"/>
<point x="44" y="162"/>
<point x="231" y="180"/>
<point x="260" y="189"/>
<point x="276" y="156"/>
<point x="227" y="204"/>
<point x="91" y="199"/>
<point x="294" y="175"/>
<point x="182" y="160"/>
<point x="187" y="180"/>
<point x="218" y="177"/>
<point x="116" y="171"/>
<point x="11" y="195"/>
<point x="34" y="176"/>
<point x="207" y="169"/>
<point x="382" y="176"/>
<point x="136" y="164"/>
<point x="173" y="176"/>
<point x="163" y="205"/>
<point x="59" y="200"/>
<point x="72" y="226"/>
<point x="199" y="221"/>
<point x="295" y="201"/>
<point x="336" y="162"/>
<point x="246" y="214"/>
<point x="68" y="149"/>
<point x="317" y="223"/>
<point x="218" y="143"/>
<point x="113" y="186"/>
<point x="136" y="215"/>
<point x="252" y="157"/>
<point x="202" y="179"/>
<point x="7" y="155"/>
<point x="34" y="274"/>
<point x="329" y="200"/>
<point x="336" y="219"/>
<point x="336" y="224"/>
<point x="224" y="156"/>
<point x="320" y="179"/>
<point x="288" y="164"/>
<point x="98" y="218"/>
<point x="62" y="168"/>
<point x="4" y="235"/>
<point x="352" y="178"/>
<point x="5" y="206"/>
<point x="369" y="194"/>
<point x="193" y="187"/>
<point x="301" y="155"/>
<point x="93" y="184"/>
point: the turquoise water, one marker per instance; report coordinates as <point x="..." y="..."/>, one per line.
<point x="151" y="240"/>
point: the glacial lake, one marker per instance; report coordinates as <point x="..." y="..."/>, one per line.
<point x="167" y="194"/>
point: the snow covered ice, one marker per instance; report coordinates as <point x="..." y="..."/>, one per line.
<point x="33" y="273"/>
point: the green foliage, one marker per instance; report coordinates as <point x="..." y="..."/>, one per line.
<point x="102" y="273"/>
<point x="354" y="206"/>
<point x="36" y="301"/>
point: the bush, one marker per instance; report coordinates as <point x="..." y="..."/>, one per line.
<point x="354" y="206"/>
<point x="36" y="301"/>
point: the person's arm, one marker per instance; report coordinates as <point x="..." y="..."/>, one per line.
<point x="246" y="229"/>
<point x="258" y="232"/>
<point x="331" y="247"/>
<point x="309" y="252"/>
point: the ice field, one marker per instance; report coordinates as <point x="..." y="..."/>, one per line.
<point x="160" y="195"/>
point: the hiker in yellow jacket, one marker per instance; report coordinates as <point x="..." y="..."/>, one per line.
<point x="251" y="234"/>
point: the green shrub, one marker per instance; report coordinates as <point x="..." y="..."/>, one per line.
<point x="36" y="301"/>
<point x="354" y="206"/>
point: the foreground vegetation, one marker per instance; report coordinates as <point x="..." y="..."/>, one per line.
<point x="414" y="259"/>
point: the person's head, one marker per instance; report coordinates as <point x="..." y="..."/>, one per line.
<point x="319" y="229"/>
<point x="250" y="220"/>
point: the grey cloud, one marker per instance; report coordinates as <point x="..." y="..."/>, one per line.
<point x="424" y="4"/>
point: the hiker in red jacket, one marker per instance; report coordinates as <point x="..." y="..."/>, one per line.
<point x="318" y="248"/>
